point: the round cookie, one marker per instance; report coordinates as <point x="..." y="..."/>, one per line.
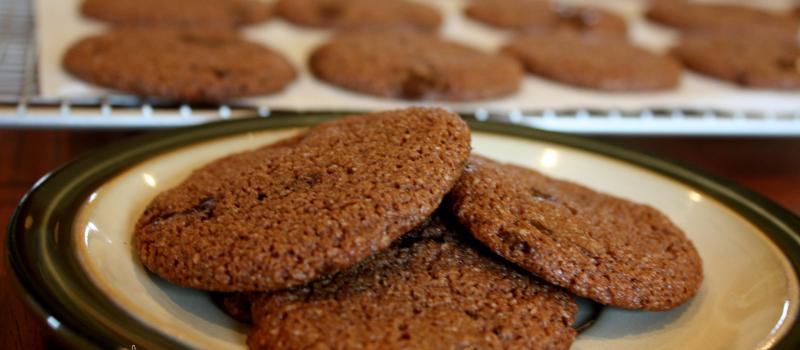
<point x="601" y="247"/>
<point x="192" y="13"/>
<point x="753" y="61"/>
<point x="434" y="289"/>
<point x="360" y="14"/>
<point x="179" y="65"/>
<point x="413" y="65"/>
<point x="285" y="215"/>
<point x="545" y="16"/>
<point x="594" y="61"/>
<point x="727" y="18"/>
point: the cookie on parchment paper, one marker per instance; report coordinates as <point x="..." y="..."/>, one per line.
<point x="360" y="14"/>
<point x="203" y="66"/>
<point x="414" y="65"/>
<point x="594" y="61"/>
<point x="184" y="13"/>
<point x="285" y="215"/>
<point x="601" y="247"/>
<point x="545" y="17"/>
<point x="725" y="18"/>
<point x="749" y="60"/>
<point x="435" y="288"/>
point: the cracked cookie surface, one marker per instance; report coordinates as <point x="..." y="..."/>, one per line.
<point x="360" y="14"/>
<point x="733" y="19"/>
<point x="601" y="247"/>
<point x="183" y="13"/>
<point x="180" y="65"/>
<point x="412" y="65"/>
<point x="317" y="203"/>
<point x="749" y="60"/>
<point x="435" y="288"/>
<point x="597" y="62"/>
<point x="545" y="16"/>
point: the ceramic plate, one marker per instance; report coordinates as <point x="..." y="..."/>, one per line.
<point x="70" y="243"/>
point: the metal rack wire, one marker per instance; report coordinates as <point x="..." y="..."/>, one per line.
<point x="22" y="106"/>
<point x="17" y="74"/>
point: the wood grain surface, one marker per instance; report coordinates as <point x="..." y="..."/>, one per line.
<point x="770" y="166"/>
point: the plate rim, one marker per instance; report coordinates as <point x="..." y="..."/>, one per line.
<point x="29" y="234"/>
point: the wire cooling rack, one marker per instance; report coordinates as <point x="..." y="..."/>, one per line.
<point x="21" y="105"/>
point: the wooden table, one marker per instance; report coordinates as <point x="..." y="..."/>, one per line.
<point x="769" y="166"/>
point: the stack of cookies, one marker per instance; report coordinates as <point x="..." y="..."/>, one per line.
<point x="384" y="231"/>
<point x="190" y="51"/>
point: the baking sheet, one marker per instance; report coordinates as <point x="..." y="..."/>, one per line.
<point x="59" y="24"/>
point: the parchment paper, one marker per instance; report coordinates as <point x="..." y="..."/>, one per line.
<point x="59" y="24"/>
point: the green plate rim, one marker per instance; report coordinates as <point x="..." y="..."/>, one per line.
<point x="46" y="212"/>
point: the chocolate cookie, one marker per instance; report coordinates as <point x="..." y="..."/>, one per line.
<point x="601" y="247"/>
<point x="181" y="65"/>
<point x="412" y="65"/>
<point x="594" y="61"/>
<point x="433" y="289"/>
<point x="545" y="16"/>
<point x="285" y="215"/>
<point x="194" y="13"/>
<point x="360" y="14"/>
<point x="727" y="18"/>
<point x="749" y="60"/>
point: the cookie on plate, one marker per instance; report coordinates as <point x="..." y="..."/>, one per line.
<point x="413" y="65"/>
<point x="433" y="289"/>
<point x="545" y="16"/>
<point x="285" y="215"/>
<point x="191" y="13"/>
<point x="360" y="14"/>
<point x="235" y="305"/>
<point x="594" y="61"/>
<point x="748" y="60"/>
<point x="180" y="65"/>
<point x="727" y="18"/>
<point x="601" y="247"/>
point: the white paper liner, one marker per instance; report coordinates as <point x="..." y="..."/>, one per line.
<point x="59" y="24"/>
